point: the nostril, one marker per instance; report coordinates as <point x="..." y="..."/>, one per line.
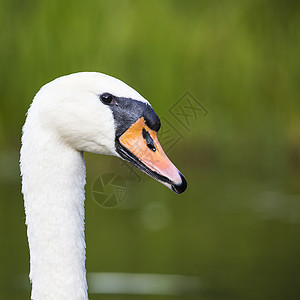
<point x="151" y="147"/>
<point x="149" y="140"/>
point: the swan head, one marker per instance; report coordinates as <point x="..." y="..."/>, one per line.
<point x="97" y="113"/>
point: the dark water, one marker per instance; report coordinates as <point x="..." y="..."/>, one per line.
<point x="238" y="235"/>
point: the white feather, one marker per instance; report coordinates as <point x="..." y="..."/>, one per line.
<point x="66" y="117"/>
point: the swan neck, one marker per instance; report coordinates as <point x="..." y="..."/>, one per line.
<point x="53" y="179"/>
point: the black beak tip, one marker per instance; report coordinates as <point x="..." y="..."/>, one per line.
<point x="180" y="188"/>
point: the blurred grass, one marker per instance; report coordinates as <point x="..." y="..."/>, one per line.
<point x="241" y="60"/>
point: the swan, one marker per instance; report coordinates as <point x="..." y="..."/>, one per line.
<point x="86" y="111"/>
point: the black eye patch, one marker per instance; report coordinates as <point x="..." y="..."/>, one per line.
<point x="151" y="118"/>
<point x="127" y="111"/>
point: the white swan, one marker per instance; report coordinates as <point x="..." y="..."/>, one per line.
<point x="75" y="113"/>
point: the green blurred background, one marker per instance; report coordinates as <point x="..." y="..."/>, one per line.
<point x="237" y="227"/>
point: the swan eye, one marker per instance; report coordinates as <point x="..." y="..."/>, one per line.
<point x="106" y="98"/>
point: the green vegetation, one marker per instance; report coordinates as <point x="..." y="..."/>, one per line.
<point x="237" y="226"/>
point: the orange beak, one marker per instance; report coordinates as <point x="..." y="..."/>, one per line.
<point x="139" y="145"/>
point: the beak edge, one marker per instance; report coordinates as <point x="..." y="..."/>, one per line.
<point x="180" y="188"/>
